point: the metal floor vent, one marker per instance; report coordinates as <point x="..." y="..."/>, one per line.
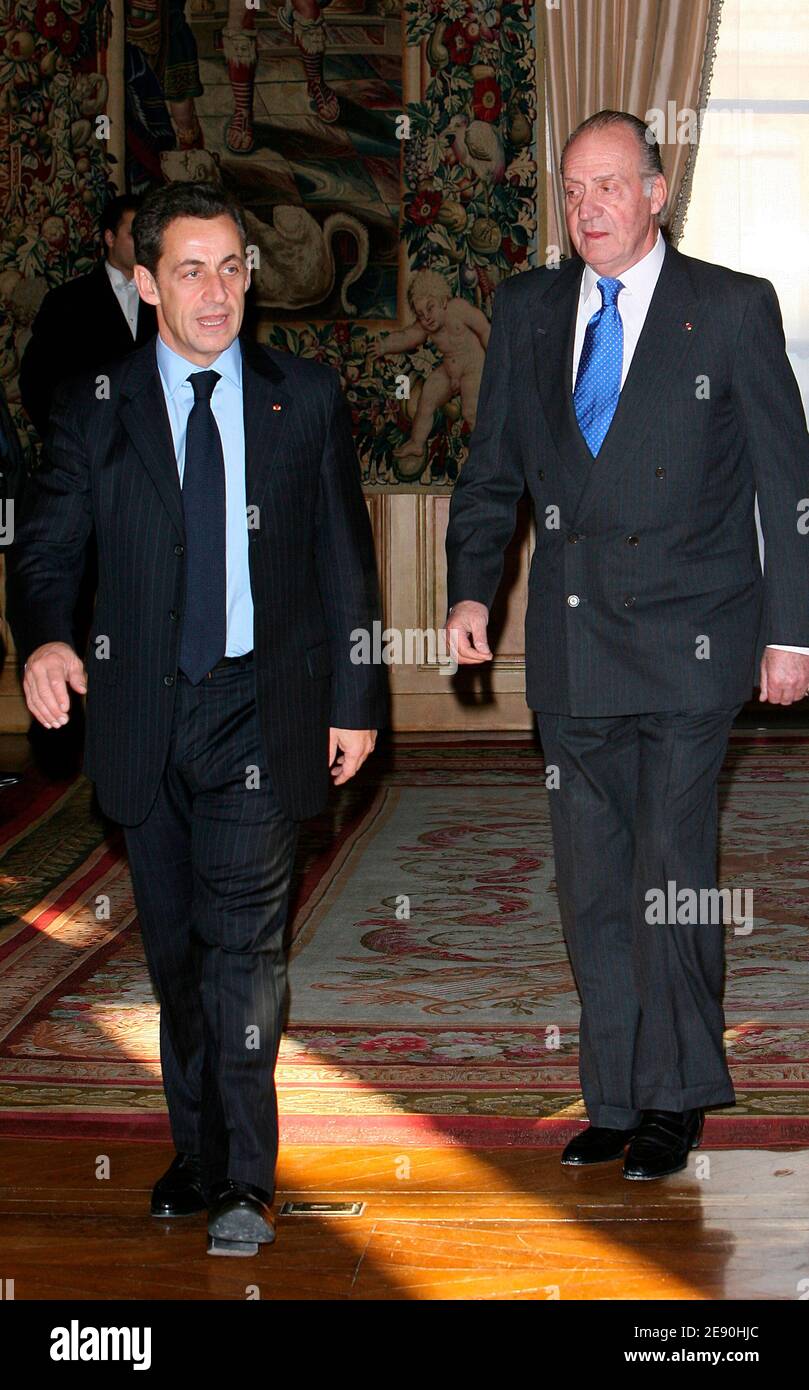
<point x="322" y="1209"/>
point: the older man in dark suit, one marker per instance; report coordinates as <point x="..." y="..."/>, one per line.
<point x="235" y="561"/>
<point x="662" y="404"/>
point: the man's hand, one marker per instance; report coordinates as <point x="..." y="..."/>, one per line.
<point x="355" y="745"/>
<point x="784" y="676"/>
<point x="49" y="671"/>
<point x="466" y="633"/>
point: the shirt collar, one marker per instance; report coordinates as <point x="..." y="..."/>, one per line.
<point x="175" y="369"/>
<point x="639" y="279"/>
<point x="117" y="278"/>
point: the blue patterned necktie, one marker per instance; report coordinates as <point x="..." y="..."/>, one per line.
<point x="598" y="380"/>
<point x="203" y="636"/>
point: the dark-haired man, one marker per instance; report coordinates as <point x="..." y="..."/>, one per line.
<point x="235" y="560"/>
<point x="662" y="402"/>
<point x="95" y="318"/>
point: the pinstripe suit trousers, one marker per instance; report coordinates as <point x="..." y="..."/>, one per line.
<point x="636" y="809"/>
<point x="211" y="866"/>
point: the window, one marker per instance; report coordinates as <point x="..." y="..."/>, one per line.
<point x="749" y="206"/>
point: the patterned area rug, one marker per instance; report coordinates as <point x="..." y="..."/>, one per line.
<point x="431" y="1000"/>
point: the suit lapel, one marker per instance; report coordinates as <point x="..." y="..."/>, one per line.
<point x="662" y="347"/>
<point x="147" y="323"/>
<point x="145" y="418"/>
<point x="553" y="335"/>
<point x="111" y="321"/>
<point x="268" y="408"/>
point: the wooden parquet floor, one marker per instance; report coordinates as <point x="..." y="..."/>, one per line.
<point x="442" y="1223"/>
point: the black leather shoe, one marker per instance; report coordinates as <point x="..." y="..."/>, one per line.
<point x="10" y="779"/>
<point x="239" y="1219"/>
<point x="179" y="1191"/>
<point x="662" y="1143"/>
<point x="596" y="1145"/>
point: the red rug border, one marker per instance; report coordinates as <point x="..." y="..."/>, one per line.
<point x="419" y="1131"/>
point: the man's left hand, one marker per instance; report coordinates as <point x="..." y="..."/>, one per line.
<point x="354" y="745"/>
<point x="784" y="676"/>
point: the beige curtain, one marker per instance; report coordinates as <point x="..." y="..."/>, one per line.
<point x="627" y="55"/>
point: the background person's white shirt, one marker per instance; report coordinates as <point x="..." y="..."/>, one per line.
<point x="633" y="302"/>
<point x="126" y="292"/>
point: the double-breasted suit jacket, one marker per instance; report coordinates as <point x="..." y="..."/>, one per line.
<point x="645" y="589"/>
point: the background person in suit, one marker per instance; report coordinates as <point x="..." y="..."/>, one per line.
<point x="235" y="559"/>
<point x="662" y="402"/>
<point x="91" y="320"/>
<point x="12" y="486"/>
<point x="12" y="463"/>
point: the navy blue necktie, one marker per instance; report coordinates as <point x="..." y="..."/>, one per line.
<point x="598" y="380"/>
<point x="204" y="628"/>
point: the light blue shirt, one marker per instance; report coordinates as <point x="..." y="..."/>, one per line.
<point x="227" y="405"/>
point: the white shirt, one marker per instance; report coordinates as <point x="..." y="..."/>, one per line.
<point x="633" y="302"/>
<point x="126" y="292"/>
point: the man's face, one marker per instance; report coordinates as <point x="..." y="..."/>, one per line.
<point x="199" y="286"/>
<point x="120" y="246"/>
<point x="611" y="220"/>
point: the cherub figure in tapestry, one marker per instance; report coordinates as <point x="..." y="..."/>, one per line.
<point x="460" y="331"/>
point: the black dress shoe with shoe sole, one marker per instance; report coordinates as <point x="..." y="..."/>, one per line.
<point x="179" y="1191"/>
<point x="239" y="1219"/>
<point x="662" y="1143"/>
<point x="596" y="1144"/>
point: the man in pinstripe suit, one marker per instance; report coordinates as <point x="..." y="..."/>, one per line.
<point x="235" y="560"/>
<point x="662" y="403"/>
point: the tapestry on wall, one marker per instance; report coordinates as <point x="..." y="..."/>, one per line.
<point x="387" y="163"/>
<point x="55" y="171"/>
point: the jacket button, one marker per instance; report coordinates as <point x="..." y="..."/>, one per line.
<point x="168" y="680"/>
<point x="629" y="600"/>
<point x="632" y="540"/>
<point x="174" y="614"/>
<point x="542" y="475"/>
<point x="573" y="600"/>
<point x="179" y="549"/>
<point x="574" y="537"/>
<point x="660" y="472"/>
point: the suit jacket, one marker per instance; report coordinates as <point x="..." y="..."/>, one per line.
<point x="111" y="464"/>
<point x="12" y="462"/>
<point x="12" y="489"/>
<point x="649" y="549"/>
<point x="79" y="326"/>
